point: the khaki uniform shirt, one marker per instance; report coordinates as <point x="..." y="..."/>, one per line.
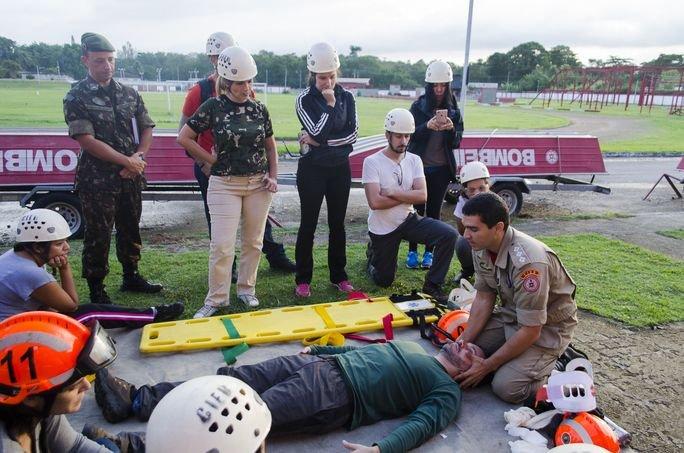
<point x="107" y="114"/>
<point x="534" y="288"/>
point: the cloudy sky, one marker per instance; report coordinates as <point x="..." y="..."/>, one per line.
<point x="392" y="29"/>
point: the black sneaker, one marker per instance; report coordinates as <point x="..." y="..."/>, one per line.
<point x="113" y="395"/>
<point x="169" y="312"/>
<point x="436" y="292"/>
<point x="282" y="263"/>
<point x="137" y="283"/>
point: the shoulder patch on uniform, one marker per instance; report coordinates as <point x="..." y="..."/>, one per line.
<point x="519" y="254"/>
<point x="530" y="280"/>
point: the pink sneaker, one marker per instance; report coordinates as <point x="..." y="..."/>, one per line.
<point x="344" y="286"/>
<point x="303" y="290"/>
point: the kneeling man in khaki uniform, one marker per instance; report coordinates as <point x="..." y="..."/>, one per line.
<point x="524" y="334"/>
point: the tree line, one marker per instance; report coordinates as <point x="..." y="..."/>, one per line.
<point x="527" y="66"/>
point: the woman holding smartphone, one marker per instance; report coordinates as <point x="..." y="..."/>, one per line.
<point x="243" y="177"/>
<point x="439" y="128"/>
<point x="327" y="113"/>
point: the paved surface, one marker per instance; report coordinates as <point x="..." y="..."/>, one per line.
<point x="480" y="427"/>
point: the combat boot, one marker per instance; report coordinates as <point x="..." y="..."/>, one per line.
<point x="281" y="263"/>
<point x="136" y="283"/>
<point x="98" y="295"/>
<point x="114" y="396"/>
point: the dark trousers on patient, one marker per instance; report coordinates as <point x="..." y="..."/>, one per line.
<point x="305" y="393"/>
<point x="383" y="249"/>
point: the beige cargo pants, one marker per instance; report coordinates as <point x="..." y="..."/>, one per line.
<point x="518" y="379"/>
<point x="231" y="200"/>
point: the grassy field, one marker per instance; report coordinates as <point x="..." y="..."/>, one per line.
<point x="674" y="234"/>
<point x="615" y="279"/>
<point x="663" y="132"/>
<point x="39" y="104"/>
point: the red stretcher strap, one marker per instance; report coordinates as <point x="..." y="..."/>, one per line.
<point x="386" y="327"/>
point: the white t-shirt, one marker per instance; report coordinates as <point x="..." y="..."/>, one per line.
<point x="382" y="170"/>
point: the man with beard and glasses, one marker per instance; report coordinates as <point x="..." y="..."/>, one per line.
<point x="394" y="181"/>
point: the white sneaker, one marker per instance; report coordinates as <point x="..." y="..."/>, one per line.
<point x="249" y="299"/>
<point x="205" y="312"/>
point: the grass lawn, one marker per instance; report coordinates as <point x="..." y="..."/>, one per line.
<point x="615" y="279"/>
<point x="39" y="104"/>
<point x="674" y="234"/>
<point x="665" y="132"/>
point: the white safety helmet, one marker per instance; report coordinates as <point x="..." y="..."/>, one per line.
<point x="236" y="64"/>
<point x="322" y="58"/>
<point x="473" y="170"/>
<point x="211" y="413"/>
<point x="218" y="41"/>
<point x="400" y="121"/>
<point x="439" y="71"/>
<point x="42" y="225"/>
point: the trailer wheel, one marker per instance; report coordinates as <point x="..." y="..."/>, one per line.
<point x="512" y="195"/>
<point x="69" y="206"/>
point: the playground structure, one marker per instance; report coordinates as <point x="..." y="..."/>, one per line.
<point x="594" y="88"/>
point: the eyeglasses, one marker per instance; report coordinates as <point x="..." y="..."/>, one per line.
<point x="399" y="173"/>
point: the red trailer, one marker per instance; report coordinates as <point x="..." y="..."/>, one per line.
<point x="38" y="168"/>
<point x="513" y="159"/>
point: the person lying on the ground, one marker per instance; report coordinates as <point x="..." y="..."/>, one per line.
<point x="537" y="316"/>
<point x="394" y="182"/>
<point x="46" y="357"/>
<point x="326" y="388"/>
<point x="25" y="284"/>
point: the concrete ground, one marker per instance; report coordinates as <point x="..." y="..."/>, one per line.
<point x="479" y="427"/>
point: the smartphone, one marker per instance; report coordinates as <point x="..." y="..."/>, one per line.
<point x="441" y="115"/>
<point x="304" y="148"/>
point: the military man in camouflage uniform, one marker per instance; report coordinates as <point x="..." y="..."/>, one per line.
<point x="533" y="323"/>
<point x="111" y="123"/>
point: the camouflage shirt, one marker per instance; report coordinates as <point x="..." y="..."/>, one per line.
<point x="106" y="114"/>
<point x="240" y="131"/>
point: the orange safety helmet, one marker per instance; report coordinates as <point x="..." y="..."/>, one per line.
<point x="454" y="323"/>
<point x="42" y="351"/>
<point x="589" y="429"/>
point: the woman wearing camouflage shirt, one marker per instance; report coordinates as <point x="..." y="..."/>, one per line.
<point x="244" y="170"/>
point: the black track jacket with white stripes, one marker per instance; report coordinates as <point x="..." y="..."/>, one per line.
<point x="334" y="128"/>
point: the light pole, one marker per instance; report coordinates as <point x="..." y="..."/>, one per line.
<point x="464" y="84"/>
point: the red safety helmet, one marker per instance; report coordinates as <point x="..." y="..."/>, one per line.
<point x="589" y="429"/>
<point x="42" y="351"/>
<point x="454" y="323"/>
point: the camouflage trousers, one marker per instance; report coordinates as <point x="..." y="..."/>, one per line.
<point x="101" y="211"/>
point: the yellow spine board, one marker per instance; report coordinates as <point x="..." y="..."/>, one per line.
<point x="273" y="325"/>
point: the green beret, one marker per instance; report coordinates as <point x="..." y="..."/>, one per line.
<point x="95" y="43"/>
